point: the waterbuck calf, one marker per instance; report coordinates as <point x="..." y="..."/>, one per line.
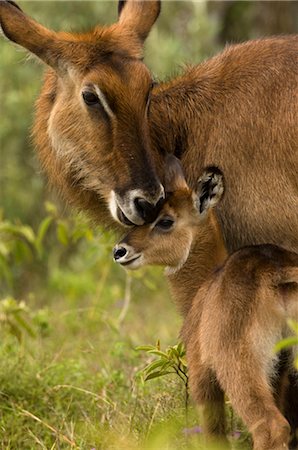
<point x="235" y="308"/>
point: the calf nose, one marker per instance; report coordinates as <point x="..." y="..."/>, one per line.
<point x="119" y="252"/>
<point x="148" y="211"/>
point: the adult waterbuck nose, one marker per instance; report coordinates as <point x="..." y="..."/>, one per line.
<point x="137" y="206"/>
<point x="149" y="210"/>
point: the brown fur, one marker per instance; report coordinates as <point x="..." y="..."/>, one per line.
<point x="237" y="111"/>
<point x="235" y="310"/>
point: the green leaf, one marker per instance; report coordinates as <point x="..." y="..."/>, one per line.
<point x="42" y="230"/>
<point x="173" y="352"/>
<point x="23" y="232"/>
<point x="6" y="227"/>
<point x="285" y="343"/>
<point x="5" y="271"/>
<point x="14" y="330"/>
<point x="25" y="325"/>
<point x="27" y="233"/>
<point x="180" y="348"/>
<point x="159" y="353"/>
<point x="4" y="250"/>
<point x="156" y="375"/>
<point x="183" y="361"/>
<point x="293" y="325"/>
<point x="145" y="348"/>
<point x="62" y="233"/>
<point x="51" y="208"/>
<point x="154" y="365"/>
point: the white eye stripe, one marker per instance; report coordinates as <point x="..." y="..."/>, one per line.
<point x="104" y="102"/>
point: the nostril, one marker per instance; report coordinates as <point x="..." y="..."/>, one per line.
<point x="142" y="206"/>
<point x="119" y="252"/>
<point x="145" y="209"/>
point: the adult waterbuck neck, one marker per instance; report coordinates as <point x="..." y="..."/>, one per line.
<point x="102" y="128"/>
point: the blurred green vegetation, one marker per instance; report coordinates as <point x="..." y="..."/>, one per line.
<point x="70" y="319"/>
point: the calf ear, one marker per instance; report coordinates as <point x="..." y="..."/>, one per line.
<point x="138" y="16"/>
<point x="209" y="190"/>
<point x="174" y="176"/>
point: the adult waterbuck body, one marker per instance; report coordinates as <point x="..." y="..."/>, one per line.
<point x="235" y="308"/>
<point x="102" y="127"/>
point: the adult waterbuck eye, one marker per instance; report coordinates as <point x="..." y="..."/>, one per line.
<point x="90" y="98"/>
<point x="165" y="224"/>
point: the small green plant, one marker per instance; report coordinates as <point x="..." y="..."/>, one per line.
<point x="168" y="362"/>
<point x="14" y="317"/>
<point x="289" y="341"/>
<point x="18" y="320"/>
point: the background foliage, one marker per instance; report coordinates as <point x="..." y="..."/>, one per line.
<point x="69" y="319"/>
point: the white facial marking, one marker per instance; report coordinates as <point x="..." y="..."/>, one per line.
<point x="135" y="264"/>
<point x="104" y="102"/>
<point x="113" y="206"/>
<point x="126" y="205"/>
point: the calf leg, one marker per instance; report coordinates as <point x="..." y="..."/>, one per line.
<point x="291" y="408"/>
<point x="208" y="394"/>
<point x="286" y="393"/>
<point x="250" y="395"/>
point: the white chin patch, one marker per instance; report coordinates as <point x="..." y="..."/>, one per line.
<point x="135" y="264"/>
<point x="113" y="206"/>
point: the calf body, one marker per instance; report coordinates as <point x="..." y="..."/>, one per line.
<point x="235" y="308"/>
<point x="235" y="320"/>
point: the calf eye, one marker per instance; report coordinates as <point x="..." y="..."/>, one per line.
<point x="165" y="224"/>
<point x="90" y="98"/>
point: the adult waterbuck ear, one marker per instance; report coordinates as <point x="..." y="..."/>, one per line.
<point x="21" y="29"/>
<point x="174" y="176"/>
<point x="209" y="190"/>
<point x="138" y="16"/>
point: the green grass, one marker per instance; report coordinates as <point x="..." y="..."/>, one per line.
<point x="70" y="374"/>
<point x="79" y="383"/>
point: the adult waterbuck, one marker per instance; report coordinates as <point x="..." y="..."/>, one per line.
<point x="102" y="127"/>
<point x="235" y="307"/>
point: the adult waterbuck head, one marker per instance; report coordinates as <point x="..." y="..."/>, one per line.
<point x="92" y="113"/>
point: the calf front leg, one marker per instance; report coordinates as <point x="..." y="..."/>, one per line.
<point x="209" y="396"/>
<point x="250" y="394"/>
<point x="286" y="393"/>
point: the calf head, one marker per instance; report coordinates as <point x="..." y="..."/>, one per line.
<point x="185" y="216"/>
